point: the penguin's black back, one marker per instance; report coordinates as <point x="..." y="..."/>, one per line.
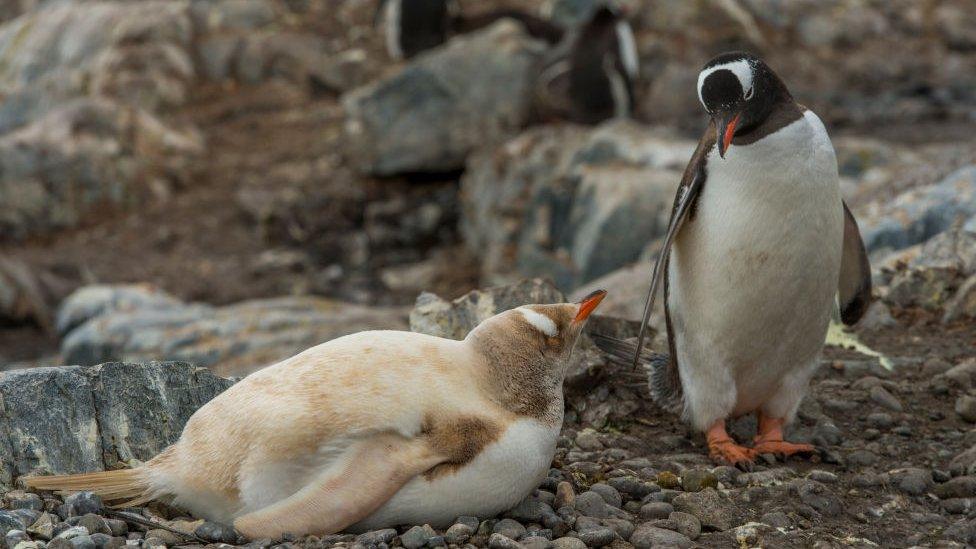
<point x="596" y="50"/>
<point x="424" y="24"/>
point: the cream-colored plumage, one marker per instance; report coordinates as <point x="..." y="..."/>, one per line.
<point x="370" y="430"/>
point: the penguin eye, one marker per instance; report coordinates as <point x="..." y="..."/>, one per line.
<point x="749" y="93"/>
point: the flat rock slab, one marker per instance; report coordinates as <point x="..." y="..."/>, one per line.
<point x="74" y="419"/>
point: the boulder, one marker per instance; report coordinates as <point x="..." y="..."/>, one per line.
<point x="73" y="419"/>
<point x="569" y="202"/>
<point x="919" y="214"/>
<point x="427" y="117"/>
<point x="135" y="324"/>
<point x="937" y="272"/>
<point x="82" y="156"/>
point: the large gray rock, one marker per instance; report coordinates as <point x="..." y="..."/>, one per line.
<point x="936" y="272"/>
<point x="429" y="116"/>
<point x="72" y="419"/>
<point x="568" y="202"/>
<point x="918" y="214"/>
<point x="116" y="323"/>
<point x="86" y="154"/>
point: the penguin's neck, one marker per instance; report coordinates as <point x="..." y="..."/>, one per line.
<point x="517" y="377"/>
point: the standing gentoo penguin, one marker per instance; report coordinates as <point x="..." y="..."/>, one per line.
<point x="371" y="430"/>
<point x="760" y="244"/>
<point x="412" y="26"/>
<point x="603" y="67"/>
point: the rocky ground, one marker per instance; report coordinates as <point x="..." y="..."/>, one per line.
<point x="227" y="182"/>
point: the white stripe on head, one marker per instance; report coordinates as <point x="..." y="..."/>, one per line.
<point x="628" y="49"/>
<point x="742" y="69"/>
<point x="539" y="321"/>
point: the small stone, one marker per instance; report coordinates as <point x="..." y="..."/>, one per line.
<point x="30" y="545"/>
<point x="167" y="537"/>
<point x="565" y="495"/>
<point x="864" y="458"/>
<point x="82" y="503"/>
<point x="880" y="420"/>
<point x="58" y="543"/>
<point x="14" y="537"/>
<point x="727" y="474"/>
<point x="568" y="543"/>
<point x="819" y="497"/>
<point x="935" y="366"/>
<point x="750" y="534"/>
<point x="777" y="519"/>
<point x="648" y="536"/>
<point x="458" y="533"/>
<point x="529" y="509"/>
<point x="882" y="397"/>
<point x="696" y="480"/>
<point x="471" y="522"/>
<point x="72" y="532"/>
<point x="82" y="542"/>
<point x="608" y="493"/>
<point x="959" y="487"/>
<point x="589" y="440"/>
<point x="94" y="524"/>
<point x="631" y="486"/>
<point x="656" y="510"/>
<point x="215" y="533"/>
<point x="597" y="537"/>
<point x="509" y="528"/>
<point x="153" y="543"/>
<point x="10" y="521"/>
<point x="436" y="541"/>
<point x="913" y="481"/>
<point x="592" y="504"/>
<point x="711" y="508"/>
<point x="102" y="540"/>
<point x="688" y="525"/>
<point x="26" y="501"/>
<point x="535" y="542"/>
<point x="822" y="476"/>
<point x="376" y="537"/>
<point x="43" y="527"/>
<point x="668" y="480"/>
<point x="498" y="541"/>
<point x="119" y="528"/>
<point x="417" y="537"/>
<point x="966" y="408"/>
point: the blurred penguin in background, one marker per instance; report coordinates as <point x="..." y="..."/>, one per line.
<point x="413" y="26"/>
<point x="592" y="75"/>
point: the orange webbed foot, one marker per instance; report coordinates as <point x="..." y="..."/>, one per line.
<point x="722" y="449"/>
<point x="781" y="448"/>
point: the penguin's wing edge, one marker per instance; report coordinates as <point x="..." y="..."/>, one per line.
<point x="685" y="199"/>
<point x="854" y="284"/>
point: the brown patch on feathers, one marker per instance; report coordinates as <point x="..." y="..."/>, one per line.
<point x="459" y="439"/>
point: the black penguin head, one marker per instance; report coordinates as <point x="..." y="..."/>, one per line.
<point x="739" y="91"/>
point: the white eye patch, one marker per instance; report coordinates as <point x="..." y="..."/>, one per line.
<point x="742" y="70"/>
<point x="539" y="321"/>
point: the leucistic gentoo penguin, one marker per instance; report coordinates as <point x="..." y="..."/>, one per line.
<point x="758" y="246"/>
<point x="603" y="66"/>
<point x="412" y="26"/>
<point x="371" y="430"/>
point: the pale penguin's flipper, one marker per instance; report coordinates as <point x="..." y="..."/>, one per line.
<point x="372" y="471"/>
<point x="854" y="286"/>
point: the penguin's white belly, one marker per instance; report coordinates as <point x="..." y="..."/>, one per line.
<point x="752" y="277"/>
<point x="495" y="480"/>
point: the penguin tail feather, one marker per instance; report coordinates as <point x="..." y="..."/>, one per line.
<point x="130" y="487"/>
<point x="662" y="374"/>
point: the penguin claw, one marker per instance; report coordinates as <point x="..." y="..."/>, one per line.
<point x="729" y="453"/>
<point x="782" y="449"/>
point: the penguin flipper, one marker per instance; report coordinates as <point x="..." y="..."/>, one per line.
<point x="854" y="285"/>
<point x="370" y="473"/>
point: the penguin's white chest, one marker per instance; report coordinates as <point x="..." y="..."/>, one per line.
<point x="495" y="480"/>
<point x="752" y="277"/>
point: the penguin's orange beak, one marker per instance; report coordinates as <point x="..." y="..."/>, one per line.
<point x="725" y="125"/>
<point x="588" y="304"/>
